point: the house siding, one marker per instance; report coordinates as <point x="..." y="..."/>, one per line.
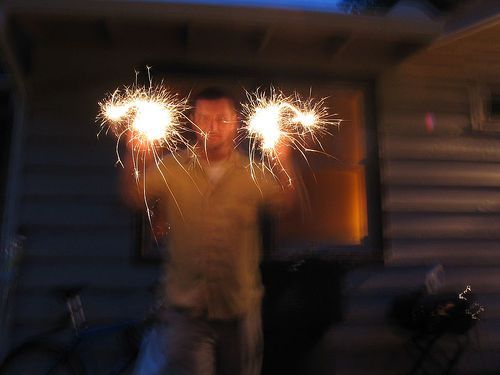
<point x="440" y="183"/>
<point x="78" y="231"/>
<point x="440" y="205"/>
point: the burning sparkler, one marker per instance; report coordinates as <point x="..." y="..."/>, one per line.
<point x="276" y="121"/>
<point x="151" y="120"/>
<point x="149" y="116"/>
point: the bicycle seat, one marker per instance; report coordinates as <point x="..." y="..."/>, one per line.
<point x="66" y="292"/>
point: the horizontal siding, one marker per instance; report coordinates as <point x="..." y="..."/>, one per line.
<point x="465" y="200"/>
<point x="78" y="231"/>
<point x="449" y="226"/>
<point x="427" y="98"/>
<point x="72" y="127"/>
<point x="386" y="351"/>
<point x="363" y="280"/>
<point x="77" y="212"/>
<point x="97" y="305"/>
<point x="70" y="182"/>
<point x="436" y="148"/>
<point x="393" y="280"/>
<point x="373" y="308"/>
<point x="100" y="275"/>
<point x="441" y="204"/>
<point x="77" y="243"/>
<point x="439" y="173"/>
<point x="449" y="252"/>
<point x="69" y="155"/>
<point x="60" y="125"/>
<point x="74" y="212"/>
<point x="413" y="123"/>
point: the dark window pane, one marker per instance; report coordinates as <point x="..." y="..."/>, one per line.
<point x="495" y="105"/>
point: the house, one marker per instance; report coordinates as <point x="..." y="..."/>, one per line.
<point x="418" y="82"/>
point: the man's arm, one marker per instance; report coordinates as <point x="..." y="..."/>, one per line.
<point x="141" y="181"/>
<point x="140" y="196"/>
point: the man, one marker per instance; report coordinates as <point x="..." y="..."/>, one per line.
<point x="212" y="205"/>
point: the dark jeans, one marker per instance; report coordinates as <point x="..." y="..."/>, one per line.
<point x="193" y="345"/>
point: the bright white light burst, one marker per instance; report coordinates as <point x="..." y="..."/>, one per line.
<point x="149" y="116"/>
<point x="265" y="125"/>
<point x="152" y="120"/>
<point x="275" y="120"/>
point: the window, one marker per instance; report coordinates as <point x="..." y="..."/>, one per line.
<point x="335" y="218"/>
<point x="485" y="107"/>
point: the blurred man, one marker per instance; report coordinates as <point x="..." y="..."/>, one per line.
<point x="212" y="206"/>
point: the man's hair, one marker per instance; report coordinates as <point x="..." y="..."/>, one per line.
<point x="214" y="93"/>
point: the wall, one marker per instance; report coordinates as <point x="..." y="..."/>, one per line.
<point x="441" y="204"/>
<point x="78" y="232"/>
<point x="441" y="197"/>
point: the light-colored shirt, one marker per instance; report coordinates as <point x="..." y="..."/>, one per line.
<point x="214" y="171"/>
<point x="214" y="239"/>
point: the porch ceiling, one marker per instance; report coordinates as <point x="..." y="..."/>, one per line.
<point x="64" y="38"/>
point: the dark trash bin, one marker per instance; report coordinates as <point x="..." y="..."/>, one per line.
<point x="302" y="299"/>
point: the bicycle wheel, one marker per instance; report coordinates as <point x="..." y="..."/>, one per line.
<point x="40" y="359"/>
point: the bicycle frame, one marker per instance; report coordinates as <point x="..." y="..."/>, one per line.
<point x="71" y="349"/>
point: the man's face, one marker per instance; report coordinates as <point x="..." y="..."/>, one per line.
<point x="217" y="119"/>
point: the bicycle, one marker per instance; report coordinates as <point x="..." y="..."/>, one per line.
<point x="44" y="353"/>
<point x="437" y="327"/>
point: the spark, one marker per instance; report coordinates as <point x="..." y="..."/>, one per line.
<point x="274" y="121"/>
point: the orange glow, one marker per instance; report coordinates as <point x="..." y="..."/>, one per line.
<point x="336" y="187"/>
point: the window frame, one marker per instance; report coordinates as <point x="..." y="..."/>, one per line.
<point x="482" y="119"/>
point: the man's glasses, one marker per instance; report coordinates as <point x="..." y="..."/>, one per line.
<point x="219" y="120"/>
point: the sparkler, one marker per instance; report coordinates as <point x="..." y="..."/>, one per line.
<point x="276" y="121"/>
<point x="149" y="116"/>
<point x="151" y="120"/>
